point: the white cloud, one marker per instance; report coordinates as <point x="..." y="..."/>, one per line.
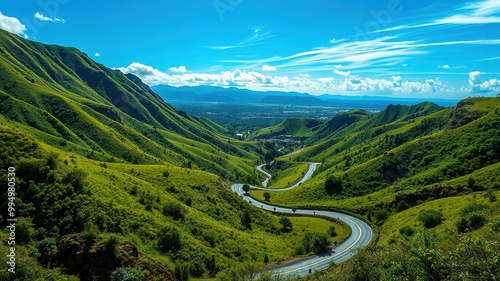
<point x="266" y="67"/>
<point x="258" y="36"/>
<point x="41" y="17"/>
<point x="343" y="73"/>
<point x="480" y="12"/>
<point x="350" y="85"/>
<point x="97" y="55"/>
<point x="445" y="66"/>
<point x="12" y="25"/>
<point x="404" y="65"/>
<point x="478" y="84"/>
<point x="180" y="69"/>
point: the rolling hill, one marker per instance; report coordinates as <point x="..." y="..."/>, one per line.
<point x="110" y="176"/>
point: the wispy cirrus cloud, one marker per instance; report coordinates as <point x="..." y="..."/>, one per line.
<point x="480" y="12"/>
<point x="39" y="16"/>
<point x="258" y="36"/>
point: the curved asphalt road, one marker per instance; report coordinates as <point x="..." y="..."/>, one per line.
<point x="360" y="237"/>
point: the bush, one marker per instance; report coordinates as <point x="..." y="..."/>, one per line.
<point x="169" y="239"/>
<point x="47" y="249"/>
<point x="381" y="215"/>
<point x="174" y="210"/>
<point x="127" y="274"/>
<point x="24" y="231"/>
<point x="430" y="218"/>
<point x="267" y="196"/>
<point x="321" y="242"/>
<point x="332" y="232"/>
<point x="317" y="242"/>
<point x="286" y="223"/>
<point x="476" y="221"/>
<point x="402" y="205"/>
<point x="246" y="220"/>
<point x="462" y="225"/>
<point x="474" y="207"/>
<point x="406" y="231"/>
<point x="495" y="226"/>
<point x="181" y="272"/>
<point x="333" y="185"/>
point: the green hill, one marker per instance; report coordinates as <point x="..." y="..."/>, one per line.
<point x="109" y="175"/>
<point x="405" y="162"/>
<point x="296" y="127"/>
<point x="104" y="113"/>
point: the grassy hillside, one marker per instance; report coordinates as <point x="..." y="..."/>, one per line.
<point x="110" y="176"/>
<point x="430" y="184"/>
<point x="297" y="127"/>
<point x="104" y="114"/>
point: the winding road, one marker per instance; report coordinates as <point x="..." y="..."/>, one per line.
<point x="361" y="235"/>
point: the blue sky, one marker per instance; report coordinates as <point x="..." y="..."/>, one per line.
<point x="404" y="48"/>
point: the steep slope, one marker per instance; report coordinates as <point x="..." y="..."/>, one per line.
<point x="103" y="113"/>
<point x="340" y="122"/>
<point x="110" y="175"/>
<point x="426" y="152"/>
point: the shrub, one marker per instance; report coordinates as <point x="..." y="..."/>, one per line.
<point x="267" y="196"/>
<point x="331" y="231"/>
<point x="321" y="242"/>
<point x="286" y="223"/>
<point x="246" y="220"/>
<point x="381" y="215"/>
<point x="476" y="221"/>
<point x="174" y="210"/>
<point x="430" y="218"/>
<point x="474" y="207"/>
<point x="495" y="226"/>
<point x="169" y="239"/>
<point x="333" y="185"/>
<point x="181" y="272"/>
<point x="406" y="231"/>
<point x="462" y="225"/>
<point x="24" y="231"/>
<point x="127" y="274"/>
<point x="402" y="205"/>
<point x="317" y="242"/>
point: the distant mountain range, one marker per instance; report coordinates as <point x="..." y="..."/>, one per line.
<point x="208" y="94"/>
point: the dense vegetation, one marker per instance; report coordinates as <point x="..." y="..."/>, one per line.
<point x="114" y="183"/>
<point x="112" y="179"/>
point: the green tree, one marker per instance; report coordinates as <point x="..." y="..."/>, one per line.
<point x="169" y="239"/>
<point x="246" y="188"/>
<point x="332" y="232"/>
<point x="286" y="223"/>
<point x="321" y="242"/>
<point x="402" y="205"/>
<point x="407" y="230"/>
<point x="333" y="185"/>
<point x="174" y="210"/>
<point x="430" y="218"/>
<point x="381" y="215"/>
<point x="181" y="272"/>
<point x="267" y="196"/>
<point x="24" y="231"/>
<point x="246" y="219"/>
